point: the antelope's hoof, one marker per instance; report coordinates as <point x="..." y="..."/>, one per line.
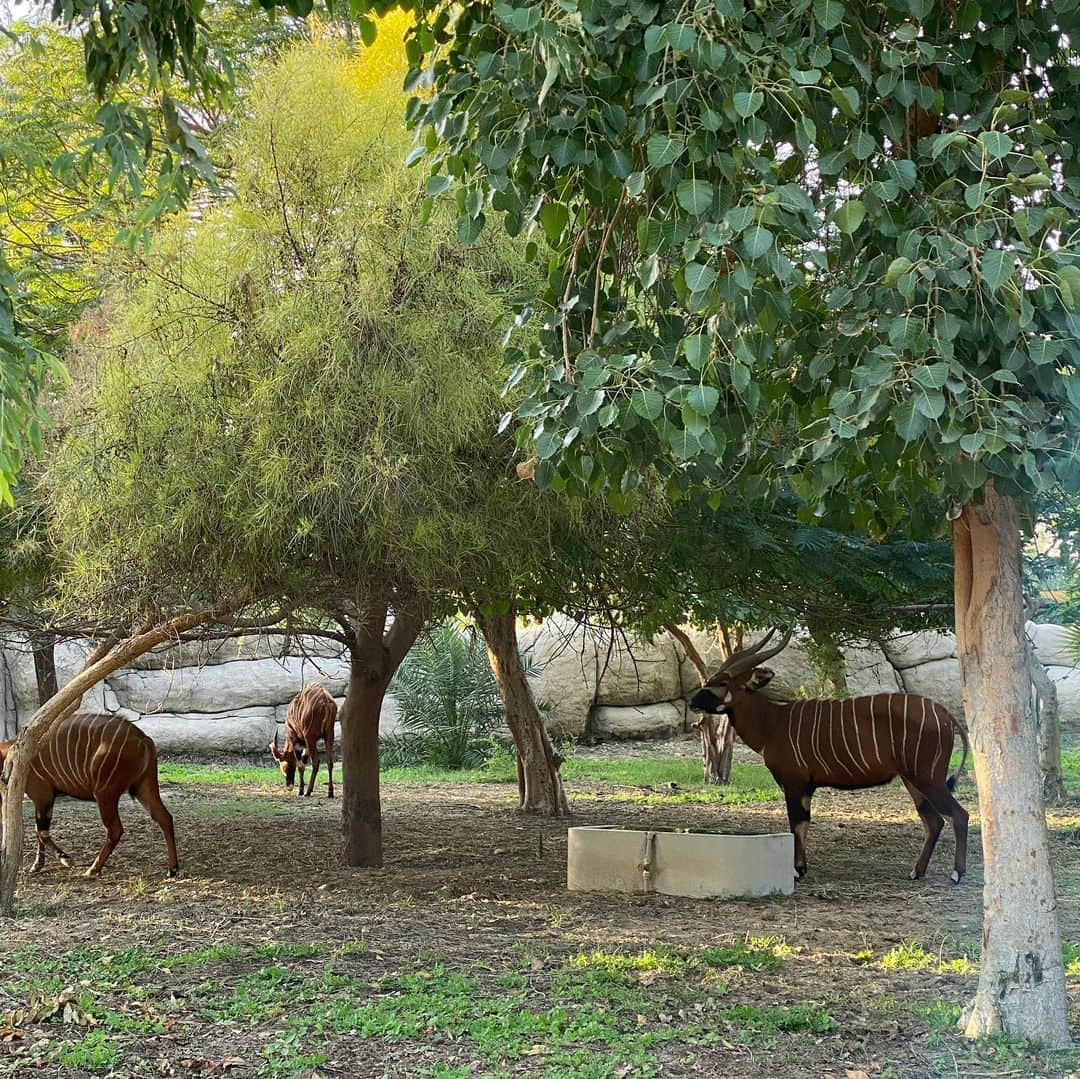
<point x="330" y="795"/>
<point x="956" y="876"/>
<point x="916" y="875"/>
<point x="174" y="871"/>
<point x="66" y="862"/>
<point x="35" y="870"/>
<point x="800" y="872"/>
<point x="92" y="872"/>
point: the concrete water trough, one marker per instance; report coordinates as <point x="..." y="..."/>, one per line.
<point x="698" y="865"/>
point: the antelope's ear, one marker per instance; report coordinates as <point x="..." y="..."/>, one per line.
<point x="761" y="677"/>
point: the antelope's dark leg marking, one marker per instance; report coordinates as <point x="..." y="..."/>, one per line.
<point x="314" y="770"/>
<point x="107" y="806"/>
<point x="942" y="801"/>
<point x="300" y="784"/>
<point x="932" y="822"/>
<point x="43" y="820"/>
<point x="798" y="811"/>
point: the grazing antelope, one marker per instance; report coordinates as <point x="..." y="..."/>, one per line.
<point x="96" y="758"/>
<point x="311" y="716"/>
<point x="852" y="744"/>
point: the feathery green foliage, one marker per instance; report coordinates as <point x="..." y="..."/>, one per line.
<point x="295" y="393"/>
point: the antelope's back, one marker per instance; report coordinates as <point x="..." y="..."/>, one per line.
<point x="311" y="710"/>
<point x="88" y="754"/>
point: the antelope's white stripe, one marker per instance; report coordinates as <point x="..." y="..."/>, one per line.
<point x="922" y="727"/>
<point x="118" y="756"/>
<point x="858" y="736"/>
<point x="873" y="728"/>
<point x="940" y="740"/>
<point x="818" y="762"/>
<point x="903" y="744"/>
<point x="847" y="748"/>
<point x="792" y="736"/>
<point x="832" y="743"/>
<point x="892" y="730"/>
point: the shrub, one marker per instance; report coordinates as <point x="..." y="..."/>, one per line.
<point x="448" y="702"/>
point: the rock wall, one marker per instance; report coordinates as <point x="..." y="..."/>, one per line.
<point x="192" y="698"/>
<point x="230" y="697"/>
<point x="599" y="688"/>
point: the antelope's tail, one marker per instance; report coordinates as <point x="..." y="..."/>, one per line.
<point x="951" y="781"/>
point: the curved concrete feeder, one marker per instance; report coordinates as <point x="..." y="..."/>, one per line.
<point x="699" y="865"/>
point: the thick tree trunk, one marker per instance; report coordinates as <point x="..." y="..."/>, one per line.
<point x="1021" y="990"/>
<point x="105" y="659"/>
<point x="375" y="655"/>
<point x="1044" y="710"/>
<point x="540" y="787"/>
<point x="44" y="647"/>
<point x="361" y="807"/>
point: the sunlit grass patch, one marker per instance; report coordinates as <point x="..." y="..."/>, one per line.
<point x="220" y="775"/>
<point x="1070" y="954"/>
<point x="913" y="956"/>
<point x="650" y="961"/>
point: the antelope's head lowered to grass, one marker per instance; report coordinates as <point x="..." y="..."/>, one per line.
<point x="294" y="754"/>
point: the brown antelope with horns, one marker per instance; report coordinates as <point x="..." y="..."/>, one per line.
<point x="96" y="758"/>
<point x="849" y="744"/>
<point x="311" y="716"/>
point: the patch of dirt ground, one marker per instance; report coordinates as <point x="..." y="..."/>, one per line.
<point x="471" y="888"/>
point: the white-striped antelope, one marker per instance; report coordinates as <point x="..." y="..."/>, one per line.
<point x="310" y="719"/>
<point x="847" y="744"/>
<point x="96" y="758"/>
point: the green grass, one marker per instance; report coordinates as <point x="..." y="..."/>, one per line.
<point x="94" y="1052"/>
<point x="1070" y="768"/>
<point x="749" y="782"/>
<point x="913" y="956"/>
<point x="586" y="1016"/>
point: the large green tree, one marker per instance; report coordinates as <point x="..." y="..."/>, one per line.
<point x="296" y="397"/>
<point x="815" y="240"/>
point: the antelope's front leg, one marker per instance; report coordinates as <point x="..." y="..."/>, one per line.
<point x="45" y="840"/>
<point x="798" y="810"/>
<point x="300" y="784"/>
<point x="314" y="771"/>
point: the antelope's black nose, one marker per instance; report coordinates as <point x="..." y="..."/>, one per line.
<point x="706" y="701"/>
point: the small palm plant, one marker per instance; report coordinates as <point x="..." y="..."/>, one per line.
<point x="448" y="702"/>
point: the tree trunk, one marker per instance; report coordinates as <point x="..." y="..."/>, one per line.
<point x="374" y="657"/>
<point x="540" y="787"/>
<point x="717" y="748"/>
<point x="44" y="647"/>
<point x="361" y="805"/>
<point x="1044" y="710"/>
<point x="717" y="733"/>
<point x="105" y="659"/>
<point x="1021" y="990"/>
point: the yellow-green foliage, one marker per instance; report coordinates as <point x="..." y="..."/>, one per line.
<point x="301" y="387"/>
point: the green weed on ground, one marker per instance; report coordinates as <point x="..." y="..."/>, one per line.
<point x="587" y="1016"/>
